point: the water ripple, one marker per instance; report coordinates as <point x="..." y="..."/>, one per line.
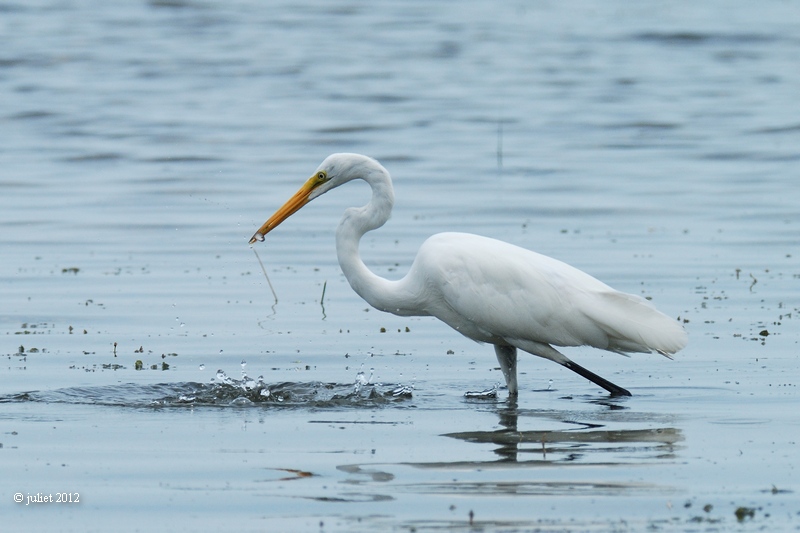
<point x="234" y="394"/>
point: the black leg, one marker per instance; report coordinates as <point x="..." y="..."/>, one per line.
<point x="615" y="390"/>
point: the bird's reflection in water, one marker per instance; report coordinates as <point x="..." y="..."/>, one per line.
<point x="604" y="437"/>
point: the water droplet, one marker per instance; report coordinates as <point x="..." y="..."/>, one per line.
<point x="550" y="384"/>
<point x="202" y="366"/>
<point x="241" y="401"/>
<point x="244" y="364"/>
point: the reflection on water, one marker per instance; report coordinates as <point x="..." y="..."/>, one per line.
<point x="581" y="441"/>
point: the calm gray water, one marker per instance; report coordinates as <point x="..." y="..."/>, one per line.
<point x="655" y="146"/>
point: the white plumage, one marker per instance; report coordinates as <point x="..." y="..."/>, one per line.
<point x="488" y="290"/>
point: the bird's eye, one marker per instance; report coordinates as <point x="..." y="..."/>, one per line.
<point x="321" y="176"/>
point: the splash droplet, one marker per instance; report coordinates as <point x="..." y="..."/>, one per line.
<point x="202" y="366"/>
<point x="482" y="395"/>
<point x="402" y="391"/>
<point x="241" y="401"/>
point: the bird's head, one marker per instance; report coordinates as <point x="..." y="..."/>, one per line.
<point x="336" y="170"/>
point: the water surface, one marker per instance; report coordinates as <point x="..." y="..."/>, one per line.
<point x="655" y="147"/>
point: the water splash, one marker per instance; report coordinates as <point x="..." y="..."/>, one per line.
<point x="248" y="383"/>
<point x="224" y="391"/>
<point x="362" y="380"/>
<point x="222" y="377"/>
<point x="241" y="401"/>
<point x="402" y="391"/>
<point x="488" y="394"/>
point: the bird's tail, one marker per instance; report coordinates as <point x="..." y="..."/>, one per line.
<point x="634" y="325"/>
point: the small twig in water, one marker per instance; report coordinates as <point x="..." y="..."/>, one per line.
<point x="264" y="270"/>
<point x="322" y="300"/>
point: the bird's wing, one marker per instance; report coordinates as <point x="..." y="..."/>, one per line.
<point x="489" y="290"/>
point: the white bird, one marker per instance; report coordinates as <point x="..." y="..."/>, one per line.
<point x="488" y="290"/>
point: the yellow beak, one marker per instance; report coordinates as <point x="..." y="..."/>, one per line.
<point x="294" y="203"/>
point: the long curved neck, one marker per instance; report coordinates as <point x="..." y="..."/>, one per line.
<point x="377" y="291"/>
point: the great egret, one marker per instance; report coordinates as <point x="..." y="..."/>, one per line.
<point x="488" y="290"/>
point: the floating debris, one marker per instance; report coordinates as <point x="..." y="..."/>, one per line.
<point x="743" y="513"/>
